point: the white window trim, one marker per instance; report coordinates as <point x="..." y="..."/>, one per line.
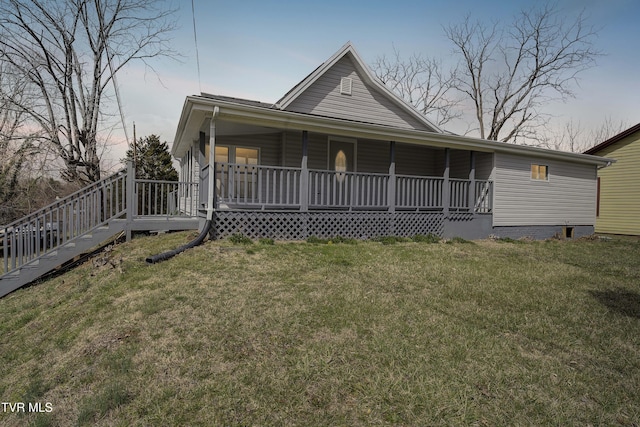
<point x="232" y="152"/>
<point x="546" y="165"/>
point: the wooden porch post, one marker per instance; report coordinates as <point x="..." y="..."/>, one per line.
<point x="446" y="190"/>
<point x="304" y="174"/>
<point x="131" y="198"/>
<point x="211" y="181"/>
<point x="472" y="182"/>
<point x="391" y="191"/>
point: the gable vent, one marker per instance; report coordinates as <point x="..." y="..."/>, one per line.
<point x="345" y="85"/>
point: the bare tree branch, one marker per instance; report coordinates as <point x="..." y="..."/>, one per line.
<point x="63" y="49"/>
<point x="509" y="75"/>
<point x="422" y="82"/>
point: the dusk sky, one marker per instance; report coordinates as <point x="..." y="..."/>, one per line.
<point x="260" y="49"/>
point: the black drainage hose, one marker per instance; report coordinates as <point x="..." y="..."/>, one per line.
<point x="192" y="244"/>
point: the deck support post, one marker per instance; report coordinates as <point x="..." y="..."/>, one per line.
<point x="391" y="190"/>
<point x="131" y="198"/>
<point x="211" y="187"/>
<point x="304" y="173"/>
<point x="446" y="190"/>
<point x="472" y="182"/>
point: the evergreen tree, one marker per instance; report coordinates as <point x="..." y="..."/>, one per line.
<point x="153" y="160"/>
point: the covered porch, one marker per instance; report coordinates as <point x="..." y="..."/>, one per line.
<point x="367" y="175"/>
<point x="265" y="172"/>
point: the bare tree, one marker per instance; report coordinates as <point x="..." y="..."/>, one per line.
<point x="69" y="51"/>
<point x="607" y="129"/>
<point x="510" y="73"/>
<point x="570" y="137"/>
<point x="15" y="146"/>
<point x="577" y="138"/>
<point x="422" y="82"/>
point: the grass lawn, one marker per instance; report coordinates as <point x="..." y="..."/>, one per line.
<point x="487" y="333"/>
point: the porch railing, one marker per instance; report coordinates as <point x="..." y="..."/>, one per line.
<point x="76" y="215"/>
<point x="419" y="192"/>
<point x="165" y="198"/>
<point x="483" y="197"/>
<point x="331" y="189"/>
<point x="46" y="229"/>
<point x="254" y="185"/>
<point x="263" y="187"/>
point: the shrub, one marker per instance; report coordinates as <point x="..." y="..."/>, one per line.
<point x="429" y="238"/>
<point x="345" y="240"/>
<point x="508" y="240"/>
<point x="317" y="240"/>
<point x="240" y="239"/>
<point x="390" y="240"/>
<point x="458" y="240"/>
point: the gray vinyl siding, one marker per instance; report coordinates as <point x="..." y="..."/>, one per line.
<point x="365" y="104"/>
<point x="373" y="156"/>
<point x="417" y="160"/>
<point x="459" y="164"/>
<point x="316" y="150"/>
<point x="484" y="165"/>
<point x="567" y="198"/>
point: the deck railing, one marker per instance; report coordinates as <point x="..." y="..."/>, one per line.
<point x="254" y="185"/>
<point x="419" y="192"/>
<point x="459" y="194"/>
<point x="264" y="187"/>
<point x="331" y="189"/>
<point x="483" y="197"/>
<point x="44" y="230"/>
<point x="165" y="198"/>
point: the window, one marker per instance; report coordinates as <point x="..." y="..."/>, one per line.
<point x="246" y="156"/>
<point x="539" y="172"/>
<point x="341" y="165"/>
<point x="221" y="154"/>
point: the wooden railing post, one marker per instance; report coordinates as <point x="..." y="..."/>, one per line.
<point x="131" y="198"/>
<point x="391" y="192"/>
<point x="446" y="188"/>
<point x="472" y="183"/>
<point x="304" y="174"/>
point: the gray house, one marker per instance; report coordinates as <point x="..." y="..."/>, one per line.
<point x="340" y="154"/>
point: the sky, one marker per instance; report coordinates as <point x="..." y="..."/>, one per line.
<point x="260" y="49"/>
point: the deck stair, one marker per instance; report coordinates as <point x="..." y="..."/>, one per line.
<point x="56" y="234"/>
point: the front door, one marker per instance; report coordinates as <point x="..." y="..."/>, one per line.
<point x="341" y="160"/>
<point x="341" y="156"/>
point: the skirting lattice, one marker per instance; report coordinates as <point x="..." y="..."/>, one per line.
<point x="301" y="225"/>
<point x="460" y="216"/>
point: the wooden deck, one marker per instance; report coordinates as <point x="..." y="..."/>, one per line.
<point x="45" y="239"/>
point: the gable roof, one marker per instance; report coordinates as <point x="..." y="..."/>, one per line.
<point x="613" y="139"/>
<point x="377" y="91"/>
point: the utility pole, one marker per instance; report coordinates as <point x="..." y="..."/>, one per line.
<point x="135" y="144"/>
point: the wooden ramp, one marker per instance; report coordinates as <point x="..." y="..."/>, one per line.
<point x="52" y="236"/>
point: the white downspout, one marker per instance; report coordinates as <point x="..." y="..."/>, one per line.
<point x="212" y="168"/>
